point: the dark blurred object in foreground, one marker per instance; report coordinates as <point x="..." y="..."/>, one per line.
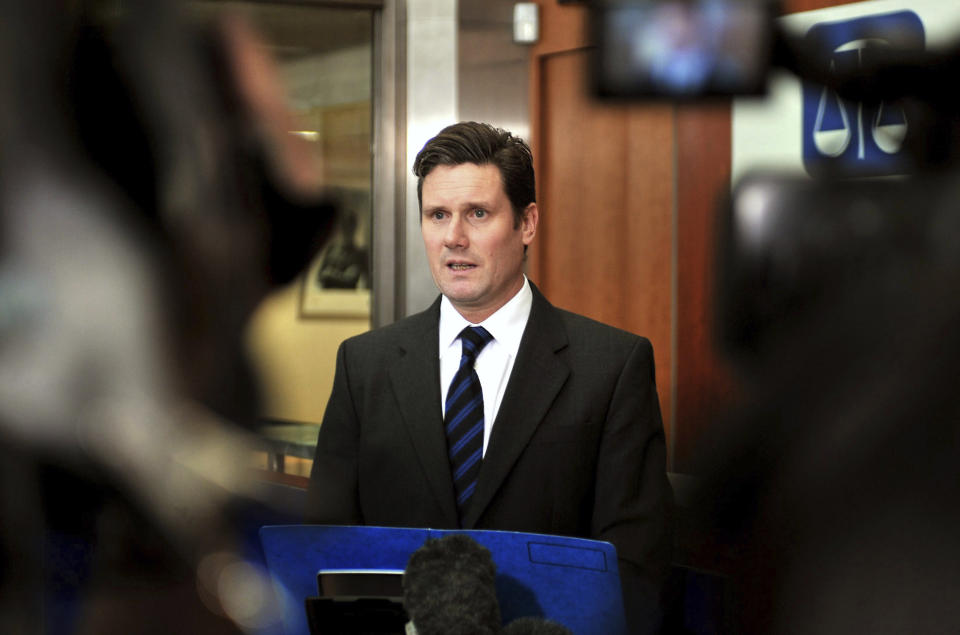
<point x="832" y="492"/>
<point x="792" y="248"/>
<point x="149" y="197"/>
<point x="448" y="587"/>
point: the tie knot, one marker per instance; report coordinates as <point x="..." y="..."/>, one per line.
<point x="473" y="339"/>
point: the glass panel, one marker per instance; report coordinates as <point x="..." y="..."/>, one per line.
<point x="325" y="56"/>
<point x="326" y="60"/>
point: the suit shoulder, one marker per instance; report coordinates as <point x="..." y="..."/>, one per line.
<point x="587" y="330"/>
<point x="389" y="335"/>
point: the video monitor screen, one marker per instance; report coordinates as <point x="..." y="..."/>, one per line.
<point x="681" y="49"/>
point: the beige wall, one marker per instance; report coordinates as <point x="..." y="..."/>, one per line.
<point x="295" y="357"/>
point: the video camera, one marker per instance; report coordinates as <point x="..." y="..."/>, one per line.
<point x="881" y="142"/>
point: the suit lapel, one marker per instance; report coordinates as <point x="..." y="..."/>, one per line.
<point x="416" y="385"/>
<point x="536" y="379"/>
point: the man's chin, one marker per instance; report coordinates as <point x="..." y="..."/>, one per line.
<point x="460" y="293"/>
<point x="459" y="297"/>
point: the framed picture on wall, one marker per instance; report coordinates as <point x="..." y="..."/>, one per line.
<point x="337" y="282"/>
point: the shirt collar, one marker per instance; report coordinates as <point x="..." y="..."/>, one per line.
<point x="505" y="325"/>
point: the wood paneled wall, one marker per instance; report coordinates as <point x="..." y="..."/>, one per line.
<point x="595" y="162"/>
<point x="628" y="197"/>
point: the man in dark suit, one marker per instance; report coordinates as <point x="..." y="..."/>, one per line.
<point x="564" y="410"/>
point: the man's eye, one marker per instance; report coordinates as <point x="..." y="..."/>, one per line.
<point x="438" y="215"/>
<point x="479" y="213"/>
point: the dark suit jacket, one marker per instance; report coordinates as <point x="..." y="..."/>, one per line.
<point x="577" y="447"/>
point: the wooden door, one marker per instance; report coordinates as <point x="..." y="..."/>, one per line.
<point x="604" y="248"/>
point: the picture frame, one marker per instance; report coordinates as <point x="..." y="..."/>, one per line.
<point x="337" y="281"/>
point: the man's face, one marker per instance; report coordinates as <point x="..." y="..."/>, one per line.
<point x="474" y="250"/>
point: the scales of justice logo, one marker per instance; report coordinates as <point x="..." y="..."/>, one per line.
<point x="851" y="138"/>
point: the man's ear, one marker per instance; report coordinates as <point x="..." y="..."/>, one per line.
<point x="528" y="224"/>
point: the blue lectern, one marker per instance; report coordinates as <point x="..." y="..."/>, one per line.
<point x="573" y="581"/>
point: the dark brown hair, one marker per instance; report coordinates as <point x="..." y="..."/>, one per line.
<point x="482" y="144"/>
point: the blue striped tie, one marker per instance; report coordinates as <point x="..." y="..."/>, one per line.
<point x="463" y="420"/>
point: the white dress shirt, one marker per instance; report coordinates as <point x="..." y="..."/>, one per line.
<point x="495" y="361"/>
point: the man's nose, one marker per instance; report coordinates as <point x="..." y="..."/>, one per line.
<point x="455" y="235"/>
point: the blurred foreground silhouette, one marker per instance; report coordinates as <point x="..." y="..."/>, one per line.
<point x="149" y="197"/>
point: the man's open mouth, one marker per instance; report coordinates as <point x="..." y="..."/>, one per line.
<point x="460" y="267"/>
